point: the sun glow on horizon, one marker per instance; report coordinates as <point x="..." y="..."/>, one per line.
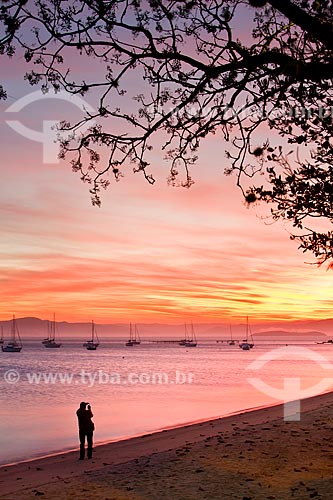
<point x="164" y="258"/>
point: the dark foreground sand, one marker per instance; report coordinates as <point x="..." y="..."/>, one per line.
<point x="255" y="455"/>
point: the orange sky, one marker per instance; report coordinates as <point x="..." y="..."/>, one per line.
<point x="151" y="253"/>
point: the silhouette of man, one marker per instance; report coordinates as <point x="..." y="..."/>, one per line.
<point x="86" y="428"/>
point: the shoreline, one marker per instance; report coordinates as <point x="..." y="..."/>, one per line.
<point x="120" y="439"/>
<point x="64" y="470"/>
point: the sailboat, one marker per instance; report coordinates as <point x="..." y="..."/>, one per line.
<point x="50" y="342"/>
<point x="190" y="338"/>
<point x="185" y="339"/>
<point x="134" y="337"/>
<point x="47" y="339"/>
<point x="231" y="341"/>
<point x="93" y="343"/>
<point x="15" y="344"/>
<point x="248" y="343"/>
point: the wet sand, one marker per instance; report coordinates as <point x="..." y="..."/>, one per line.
<point x="254" y="455"/>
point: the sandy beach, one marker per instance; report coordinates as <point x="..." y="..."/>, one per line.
<point x="253" y="455"/>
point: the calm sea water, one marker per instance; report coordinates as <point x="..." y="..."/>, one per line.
<point x="140" y="389"/>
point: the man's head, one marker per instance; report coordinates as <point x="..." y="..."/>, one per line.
<point x="83" y="405"/>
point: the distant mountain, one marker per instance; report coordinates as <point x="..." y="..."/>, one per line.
<point x="239" y="331"/>
<point x="309" y="335"/>
<point x="299" y="326"/>
<point x="325" y="325"/>
<point x="35" y="327"/>
<point x="313" y="330"/>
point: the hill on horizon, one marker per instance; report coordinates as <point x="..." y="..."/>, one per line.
<point x="312" y="334"/>
<point x="36" y="327"/>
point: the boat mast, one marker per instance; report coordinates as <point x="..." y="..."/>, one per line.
<point x="193" y="337"/>
<point x="53" y="327"/>
<point x="15" y="332"/>
<point x="13" y="328"/>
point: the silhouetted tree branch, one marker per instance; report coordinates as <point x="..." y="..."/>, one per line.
<point x="168" y="72"/>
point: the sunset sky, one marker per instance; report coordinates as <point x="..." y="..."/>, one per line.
<point x="150" y="253"/>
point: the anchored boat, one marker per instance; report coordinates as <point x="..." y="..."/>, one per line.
<point x="134" y="337"/>
<point x="190" y="337"/>
<point x="93" y="343"/>
<point x="247" y="343"/>
<point x="15" y="344"/>
<point x="50" y="342"/>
